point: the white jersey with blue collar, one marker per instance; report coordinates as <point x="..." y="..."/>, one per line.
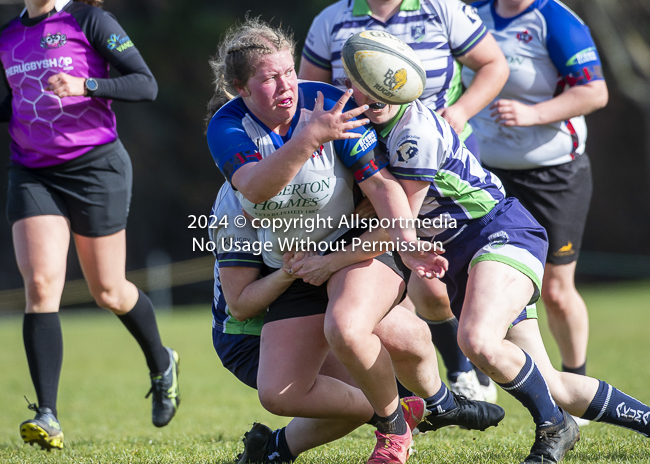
<point x="438" y="31"/>
<point x="547" y="47"/>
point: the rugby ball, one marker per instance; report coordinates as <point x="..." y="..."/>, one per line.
<point x="383" y="67"/>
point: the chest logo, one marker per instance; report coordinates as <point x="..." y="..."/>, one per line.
<point x="51" y="41"/>
<point x="417" y="32"/>
<point x="524" y="36"/>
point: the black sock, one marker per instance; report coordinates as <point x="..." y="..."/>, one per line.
<point x="141" y="322"/>
<point x="278" y="449"/>
<point x="44" y="348"/>
<point x="395" y="423"/>
<point x="402" y="391"/>
<point x="580" y="370"/>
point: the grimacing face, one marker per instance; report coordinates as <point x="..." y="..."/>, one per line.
<point x="271" y="94"/>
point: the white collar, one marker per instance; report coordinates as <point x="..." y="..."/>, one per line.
<point x="58" y="6"/>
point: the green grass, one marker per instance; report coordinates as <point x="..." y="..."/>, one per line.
<point x="107" y="420"/>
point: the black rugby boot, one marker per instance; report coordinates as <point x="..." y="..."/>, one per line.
<point x="256" y="442"/>
<point x="469" y="414"/>
<point x="552" y="443"/>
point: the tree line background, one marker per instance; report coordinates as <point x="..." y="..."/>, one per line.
<point x="175" y="176"/>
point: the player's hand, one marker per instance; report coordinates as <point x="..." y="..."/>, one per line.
<point x="65" y="85"/>
<point x="364" y="209"/>
<point x="427" y="264"/>
<point x="290" y="260"/>
<point x="455" y="116"/>
<point x="334" y="124"/>
<point x="513" y="113"/>
<point x="314" y="269"/>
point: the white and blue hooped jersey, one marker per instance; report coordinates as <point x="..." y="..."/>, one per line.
<point x="422" y="146"/>
<point x="227" y="207"/>
<point x="438" y="31"/>
<point x="324" y="185"/>
<point x="547" y="47"/>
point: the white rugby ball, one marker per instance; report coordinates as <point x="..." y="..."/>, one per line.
<point x="383" y="67"/>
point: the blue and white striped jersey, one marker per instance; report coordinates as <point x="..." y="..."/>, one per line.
<point x="547" y="47"/>
<point x="323" y="188"/>
<point x="224" y="234"/>
<point x="438" y="31"/>
<point x="422" y="146"/>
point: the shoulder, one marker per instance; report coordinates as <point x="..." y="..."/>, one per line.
<point x="309" y="92"/>
<point x="232" y="111"/>
<point x="334" y="10"/>
<point x="558" y="14"/>
<point x="84" y="12"/>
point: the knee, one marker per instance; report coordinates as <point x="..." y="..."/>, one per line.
<point x="436" y="308"/>
<point x="274" y="402"/>
<point x="481" y="348"/>
<point x="41" y="290"/>
<point x="555" y="295"/>
<point x="108" y="299"/>
<point x="341" y="335"/>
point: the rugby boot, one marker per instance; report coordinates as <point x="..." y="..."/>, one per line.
<point x="391" y="448"/>
<point x="467" y="384"/>
<point x="472" y="415"/>
<point x="552" y="443"/>
<point x="44" y="429"/>
<point x="415" y="410"/>
<point x="166" y="395"/>
<point x="256" y="442"/>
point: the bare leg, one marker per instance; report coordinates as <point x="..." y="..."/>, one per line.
<point x="567" y="313"/>
<point x="103" y="260"/>
<point x="351" y="318"/>
<point x="406" y="337"/>
<point x="41" y="247"/>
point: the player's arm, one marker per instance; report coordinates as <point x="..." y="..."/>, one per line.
<point x="5" y="103"/>
<point x="246" y="294"/>
<point x="262" y="180"/>
<point x="311" y="72"/>
<point x="107" y="37"/>
<point x="491" y="73"/>
<point x="573" y="52"/>
<point x="575" y="101"/>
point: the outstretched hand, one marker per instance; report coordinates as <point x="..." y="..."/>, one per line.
<point x="427" y="264"/>
<point x="335" y="124"/>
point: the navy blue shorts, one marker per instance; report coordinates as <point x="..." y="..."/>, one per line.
<point x="507" y="234"/>
<point x="240" y="354"/>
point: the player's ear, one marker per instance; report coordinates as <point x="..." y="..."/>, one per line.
<point x="241" y="89"/>
<point x="348" y="83"/>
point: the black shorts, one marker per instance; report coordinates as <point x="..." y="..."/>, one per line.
<point x="92" y="191"/>
<point x="302" y="299"/>
<point x="558" y="197"/>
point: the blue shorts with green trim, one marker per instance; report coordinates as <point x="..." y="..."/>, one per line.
<point x="507" y="234"/>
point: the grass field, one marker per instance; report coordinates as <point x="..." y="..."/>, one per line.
<point x="107" y="420"/>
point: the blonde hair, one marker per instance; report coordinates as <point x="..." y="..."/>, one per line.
<point x="238" y="55"/>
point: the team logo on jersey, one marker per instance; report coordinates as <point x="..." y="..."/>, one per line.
<point x="407" y="151"/>
<point x="471" y="13"/>
<point x="395" y="80"/>
<point x="51" y="41"/>
<point x="116" y="42"/>
<point x="583" y="56"/>
<point x="417" y="32"/>
<point x="318" y="152"/>
<point x="524" y="36"/>
<point x="499" y="239"/>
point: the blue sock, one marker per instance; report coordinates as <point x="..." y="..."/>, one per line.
<point x="278" y="449"/>
<point x="444" y="335"/>
<point x="530" y="389"/>
<point x="615" y="407"/>
<point x="441" y="402"/>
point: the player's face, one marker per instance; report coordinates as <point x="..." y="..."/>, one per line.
<point x="271" y="94"/>
<point x="379" y="113"/>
